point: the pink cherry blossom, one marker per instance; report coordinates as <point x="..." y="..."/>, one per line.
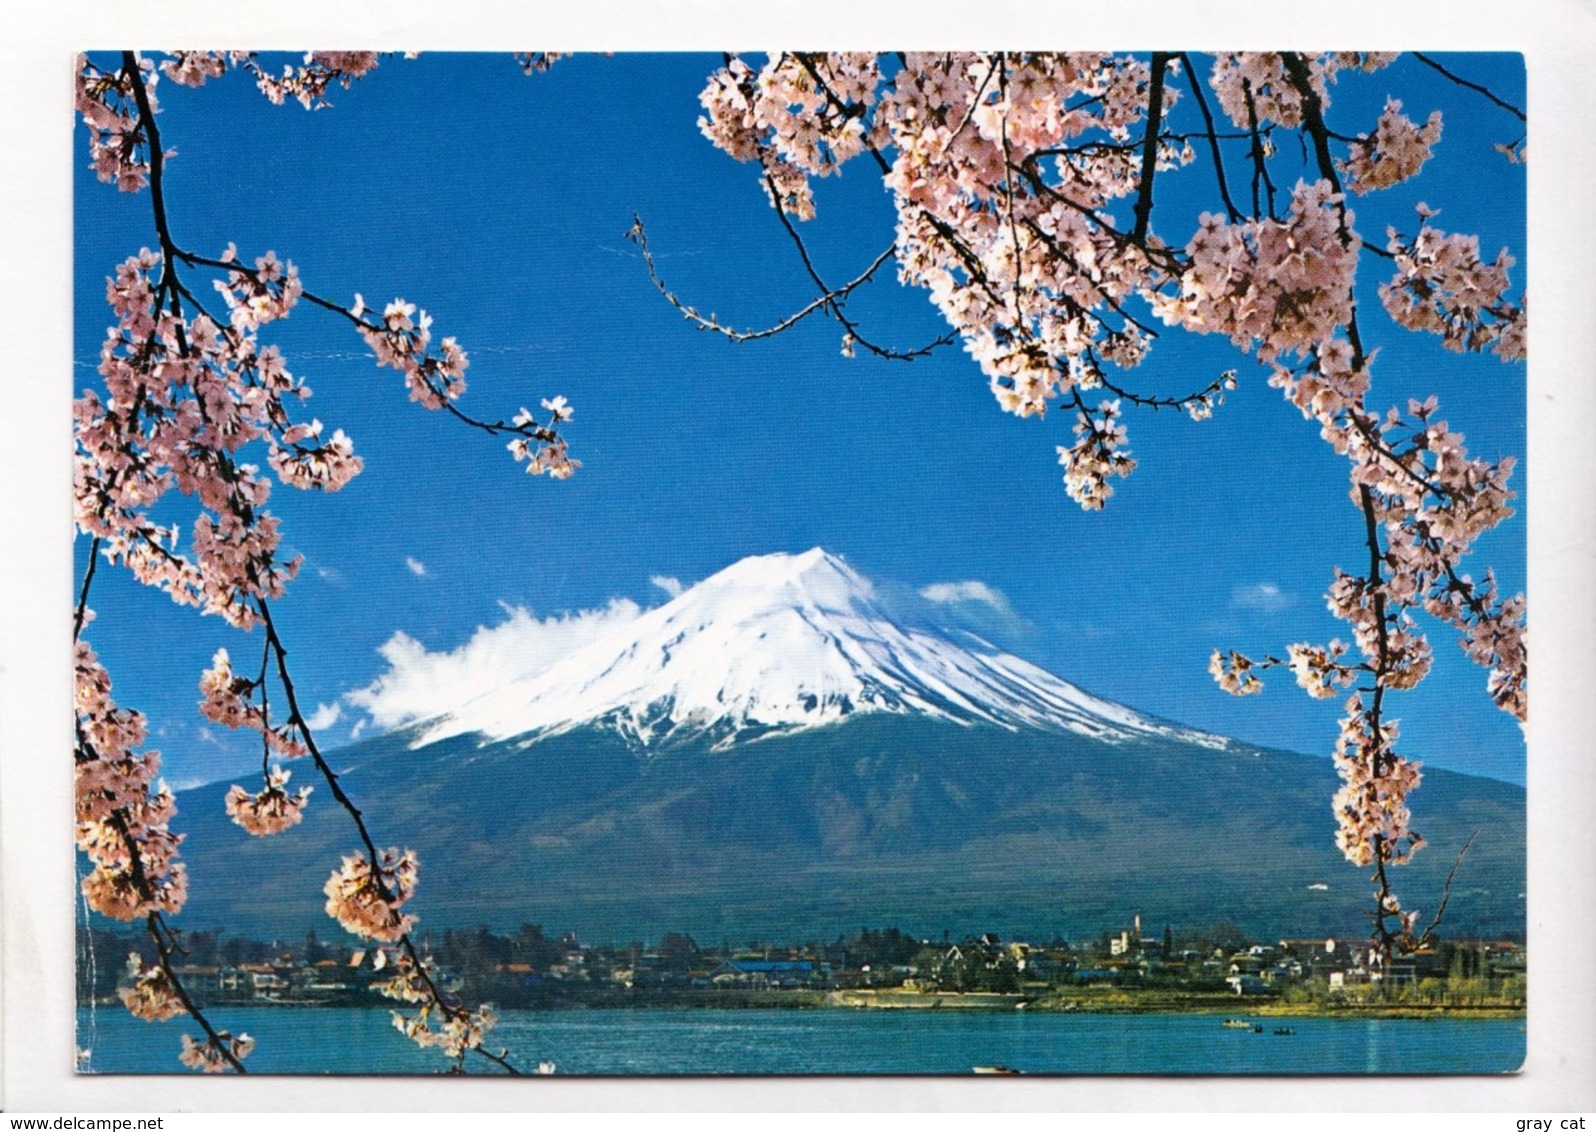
<point x="366" y="899"/>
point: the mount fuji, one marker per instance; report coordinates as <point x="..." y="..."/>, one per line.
<point x="778" y="644"/>
<point x="772" y="755"/>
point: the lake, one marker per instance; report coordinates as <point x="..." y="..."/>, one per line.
<point x="294" y="1040"/>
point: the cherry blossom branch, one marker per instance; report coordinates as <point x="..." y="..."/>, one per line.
<point x="824" y="302"/>
<point x="835" y="306"/>
<point x="296" y="721"/>
<point x="83" y="591"/>
<point x="551" y="454"/>
<point x="526" y="428"/>
<point x="106" y="832"/>
<point x="388" y="893"/>
<point x="222" y="1044"/>
<point x="1313" y="121"/>
<point x="1378" y="755"/>
<point x="1259" y="155"/>
<point x="1201" y="398"/>
<point x="194" y="390"/>
<point x="157" y="159"/>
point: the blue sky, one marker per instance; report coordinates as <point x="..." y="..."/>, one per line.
<point x="499" y="203"/>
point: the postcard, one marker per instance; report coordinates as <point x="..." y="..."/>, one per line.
<point x="908" y="563"/>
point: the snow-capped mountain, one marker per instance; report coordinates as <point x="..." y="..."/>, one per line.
<point x="828" y="767"/>
<point x="781" y="643"/>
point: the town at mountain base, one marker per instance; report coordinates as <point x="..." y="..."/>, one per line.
<point x="770" y="755"/>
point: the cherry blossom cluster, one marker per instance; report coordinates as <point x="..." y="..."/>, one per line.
<point x="263" y="295"/>
<point x="540" y="446"/>
<point x="999" y="186"/>
<point x="1434" y="502"/>
<point x="306" y="83"/>
<point x="536" y="62"/>
<point x="799" y="115"/>
<point x="309" y="82"/>
<point x="185" y="394"/>
<point x="402" y="341"/>
<point x="1097" y="455"/>
<point x="440" y="1022"/>
<point x="1235" y="673"/>
<point x="366" y="900"/>
<point x="270" y="811"/>
<point x="195" y="68"/>
<point x="208" y="1056"/>
<point x="1283" y="287"/>
<point x="149" y="993"/>
<point x="123" y="812"/>
<point x="456" y="1031"/>
<point x="1254" y="88"/>
<point x="1004" y="172"/>
<point x="1394" y="153"/>
<point x="118" y="143"/>
<point x="1442" y="286"/>
<point x="1319" y="669"/>
<point x="1371" y="807"/>
<point x="228" y="699"/>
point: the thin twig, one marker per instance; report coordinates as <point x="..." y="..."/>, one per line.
<point x="1213" y="139"/>
<point x="639" y="236"/>
<point x="1508" y="106"/>
<point x="1446" y="893"/>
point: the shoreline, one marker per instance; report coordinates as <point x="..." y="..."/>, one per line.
<point x="952" y="1002"/>
<point x="1217" y="1005"/>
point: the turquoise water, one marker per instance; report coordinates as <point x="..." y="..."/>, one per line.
<point x="708" y="1042"/>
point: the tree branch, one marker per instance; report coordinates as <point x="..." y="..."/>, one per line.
<point x="1508" y="106"/>
<point x="1155" y="118"/>
<point x="296" y="720"/>
<point x="1213" y="138"/>
<point x="639" y="236"/>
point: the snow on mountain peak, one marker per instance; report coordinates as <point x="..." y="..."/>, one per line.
<point x="813" y="579"/>
<point x="777" y="643"/>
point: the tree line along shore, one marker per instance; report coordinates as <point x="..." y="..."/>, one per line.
<point x="1218" y="971"/>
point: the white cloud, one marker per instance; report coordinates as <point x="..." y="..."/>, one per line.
<point x="328" y="574"/>
<point x="417" y="567"/>
<point x="1260" y="597"/>
<point x="360" y="725"/>
<point x="672" y="586"/>
<point x="324" y="716"/>
<point x="958" y="593"/>
<point x="420" y="684"/>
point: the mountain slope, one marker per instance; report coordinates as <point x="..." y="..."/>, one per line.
<point x="886" y="820"/>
